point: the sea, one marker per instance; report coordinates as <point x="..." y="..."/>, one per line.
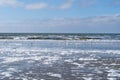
<point x="60" y="36"/>
<point x="59" y="56"/>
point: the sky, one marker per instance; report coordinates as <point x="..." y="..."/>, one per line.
<point x="59" y="16"/>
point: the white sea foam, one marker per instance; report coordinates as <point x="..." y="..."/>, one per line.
<point x="11" y="55"/>
<point x="24" y="79"/>
<point x="77" y="64"/>
<point x="113" y="73"/>
<point x="54" y="50"/>
<point x="18" y="51"/>
<point x="12" y="69"/>
<point x="54" y="75"/>
<point x="87" y="59"/>
<point x="87" y="78"/>
<point x="10" y="60"/>
<point x="68" y="60"/>
<point x="6" y="74"/>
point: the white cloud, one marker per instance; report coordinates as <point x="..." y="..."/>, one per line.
<point x="110" y="20"/>
<point x="17" y="3"/>
<point x="36" y="6"/>
<point x="87" y="3"/>
<point x="94" y="24"/>
<point x="66" y="5"/>
<point x="12" y="3"/>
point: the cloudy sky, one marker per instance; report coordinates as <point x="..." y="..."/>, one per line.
<point x="60" y="16"/>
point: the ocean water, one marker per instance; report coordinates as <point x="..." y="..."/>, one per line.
<point x="59" y="56"/>
<point x="60" y="36"/>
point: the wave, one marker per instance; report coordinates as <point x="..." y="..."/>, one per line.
<point x="54" y="36"/>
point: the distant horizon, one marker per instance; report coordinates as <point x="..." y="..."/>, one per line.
<point x="54" y="33"/>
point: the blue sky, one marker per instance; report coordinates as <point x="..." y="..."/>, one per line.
<point x="60" y="16"/>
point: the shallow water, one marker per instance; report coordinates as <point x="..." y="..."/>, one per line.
<point x="60" y="60"/>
